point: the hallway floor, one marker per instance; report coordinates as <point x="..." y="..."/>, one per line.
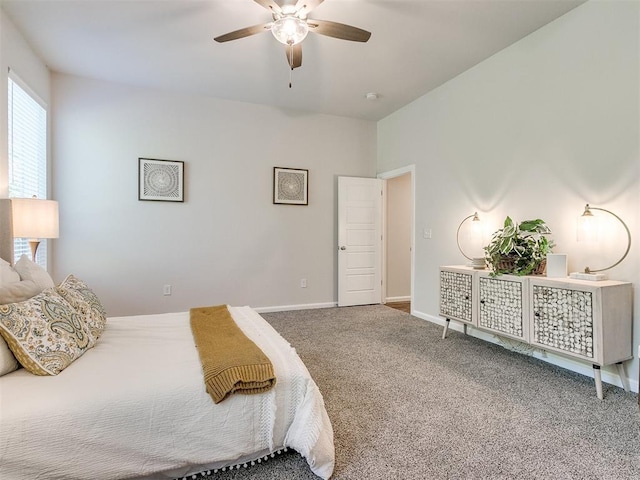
<point x="402" y="306"/>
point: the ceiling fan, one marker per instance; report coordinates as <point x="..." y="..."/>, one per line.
<point x="290" y="26"/>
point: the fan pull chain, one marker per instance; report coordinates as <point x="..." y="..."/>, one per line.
<point x="290" y="63"/>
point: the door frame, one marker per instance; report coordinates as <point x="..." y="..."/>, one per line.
<point x="411" y="169"/>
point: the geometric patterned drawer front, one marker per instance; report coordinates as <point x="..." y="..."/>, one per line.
<point x="501" y="306"/>
<point x="563" y="319"/>
<point x="455" y="295"/>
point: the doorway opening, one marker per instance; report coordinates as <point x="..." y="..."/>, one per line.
<point x="398" y="238"/>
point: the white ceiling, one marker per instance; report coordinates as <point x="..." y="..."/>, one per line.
<point x="415" y="46"/>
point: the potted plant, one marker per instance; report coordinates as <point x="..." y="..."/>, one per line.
<point x="519" y="249"/>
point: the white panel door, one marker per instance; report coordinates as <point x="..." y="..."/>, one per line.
<point x="359" y="241"/>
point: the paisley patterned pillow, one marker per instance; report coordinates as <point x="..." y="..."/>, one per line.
<point x="44" y="333"/>
<point x="85" y="302"/>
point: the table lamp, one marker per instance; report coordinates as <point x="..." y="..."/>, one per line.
<point x="34" y="219"/>
<point x="476" y="231"/>
<point x="588" y="231"/>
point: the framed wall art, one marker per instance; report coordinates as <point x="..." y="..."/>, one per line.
<point x="160" y="180"/>
<point x="290" y="186"/>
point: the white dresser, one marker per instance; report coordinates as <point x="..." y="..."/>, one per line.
<point x="584" y="320"/>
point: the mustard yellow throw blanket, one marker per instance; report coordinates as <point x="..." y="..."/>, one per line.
<point x="231" y="362"/>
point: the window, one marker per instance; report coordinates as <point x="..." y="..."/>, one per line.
<point x="27" y="152"/>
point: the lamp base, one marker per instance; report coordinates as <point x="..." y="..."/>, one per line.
<point x="595" y="277"/>
<point x="477" y="263"/>
<point x="33" y="243"/>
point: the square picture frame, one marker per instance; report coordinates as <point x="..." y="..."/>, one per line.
<point x="160" y="180"/>
<point x="290" y="186"/>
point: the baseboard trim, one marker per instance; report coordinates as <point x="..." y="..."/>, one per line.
<point x="398" y="299"/>
<point x="287" y="308"/>
<point x="572" y="365"/>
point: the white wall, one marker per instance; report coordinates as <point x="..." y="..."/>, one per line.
<point x="537" y="130"/>
<point x="228" y="243"/>
<point x="398" y="229"/>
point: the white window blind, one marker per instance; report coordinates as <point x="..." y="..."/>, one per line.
<point x="27" y="152"/>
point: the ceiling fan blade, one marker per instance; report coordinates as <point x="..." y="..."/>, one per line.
<point x="303" y="7"/>
<point x="243" y="32"/>
<point x="270" y="5"/>
<point x="294" y="56"/>
<point x="338" y="30"/>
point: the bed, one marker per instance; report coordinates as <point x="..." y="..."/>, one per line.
<point x="135" y="406"/>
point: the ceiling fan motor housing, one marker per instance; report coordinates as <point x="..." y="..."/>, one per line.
<point x="289" y="29"/>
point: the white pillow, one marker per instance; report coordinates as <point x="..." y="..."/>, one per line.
<point x="7" y="273"/>
<point x="18" y="291"/>
<point x="34" y="272"/>
<point x="8" y="362"/>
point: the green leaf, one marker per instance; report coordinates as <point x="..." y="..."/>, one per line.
<point x="505" y="246"/>
<point x="535" y="226"/>
<point x="509" y="231"/>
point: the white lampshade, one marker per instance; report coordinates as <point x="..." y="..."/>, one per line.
<point x="34" y="218"/>
<point x="290" y="30"/>
<point x="588" y="227"/>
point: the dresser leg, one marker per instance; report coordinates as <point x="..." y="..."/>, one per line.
<point x="446" y="327"/>
<point x="623" y="376"/>
<point x="598" y="378"/>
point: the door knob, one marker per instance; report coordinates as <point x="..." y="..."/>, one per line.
<point x="343" y="248"/>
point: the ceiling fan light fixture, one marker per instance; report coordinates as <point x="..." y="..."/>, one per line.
<point x="289" y="30"/>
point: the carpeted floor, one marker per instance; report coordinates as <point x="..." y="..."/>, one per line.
<point x="406" y="404"/>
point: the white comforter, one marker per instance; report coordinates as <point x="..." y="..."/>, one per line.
<point x="135" y="406"/>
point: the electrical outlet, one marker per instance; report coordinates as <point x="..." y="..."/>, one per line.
<point x="303" y="283"/>
<point x="166" y="290"/>
<point x="426" y="233"/>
